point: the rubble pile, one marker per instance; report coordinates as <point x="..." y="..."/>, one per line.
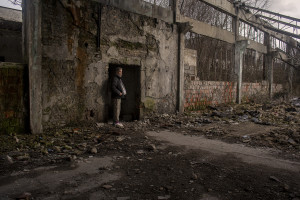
<point x="213" y="122"/>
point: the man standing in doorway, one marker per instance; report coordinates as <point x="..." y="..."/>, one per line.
<point x="118" y="93"/>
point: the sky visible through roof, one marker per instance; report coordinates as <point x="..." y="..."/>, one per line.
<point x="286" y="7"/>
<point x="8" y="4"/>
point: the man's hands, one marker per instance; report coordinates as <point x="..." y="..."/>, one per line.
<point x="120" y="93"/>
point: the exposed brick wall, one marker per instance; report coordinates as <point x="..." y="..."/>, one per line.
<point x="13" y="111"/>
<point x="199" y="94"/>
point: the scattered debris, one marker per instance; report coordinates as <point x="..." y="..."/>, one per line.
<point x="9" y="159"/>
<point x="273" y="178"/>
<point x="123" y="198"/>
<point x="24" y="196"/>
<point x="163" y="197"/>
<point x="94" y="150"/>
<point x="107" y="186"/>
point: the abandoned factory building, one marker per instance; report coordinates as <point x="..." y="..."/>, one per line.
<point x="71" y="48"/>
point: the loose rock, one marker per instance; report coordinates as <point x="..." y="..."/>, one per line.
<point x="107" y="187"/>
<point x="9" y="159"/>
<point x="94" y="150"/>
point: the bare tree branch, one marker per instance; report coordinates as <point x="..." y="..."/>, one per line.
<point x="16" y="2"/>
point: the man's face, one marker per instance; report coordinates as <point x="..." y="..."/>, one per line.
<point x="119" y="73"/>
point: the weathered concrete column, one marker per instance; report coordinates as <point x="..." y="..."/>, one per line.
<point x="174" y="6"/>
<point x="32" y="57"/>
<point x="269" y="64"/>
<point x="290" y="79"/>
<point x="239" y="49"/>
<point x="237" y="56"/>
<point x="183" y="28"/>
<point x="290" y="72"/>
<point x="180" y="72"/>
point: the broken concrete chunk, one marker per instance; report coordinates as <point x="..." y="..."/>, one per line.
<point x="9" y="159"/>
<point x="273" y="178"/>
<point x="94" y="150"/>
<point x="99" y="125"/>
<point x="107" y="186"/>
<point x="152" y="147"/>
<point x="24" y="157"/>
<point x="17" y="139"/>
<point x="24" y="196"/>
<point x="163" y="197"/>
<point x="120" y="139"/>
<point x="291" y="141"/>
<point x="140" y="152"/>
<point x="123" y="198"/>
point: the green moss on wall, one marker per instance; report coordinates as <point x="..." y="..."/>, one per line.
<point x="149" y="105"/>
<point x="11" y="125"/>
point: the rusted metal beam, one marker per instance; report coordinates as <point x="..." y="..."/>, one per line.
<point x="281" y="31"/>
<point x="278" y="21"/>
<point x="270" y="12"/>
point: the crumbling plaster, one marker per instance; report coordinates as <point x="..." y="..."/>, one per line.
<point x="75" y="71"/>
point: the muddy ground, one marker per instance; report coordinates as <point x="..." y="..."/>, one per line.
<point x="248" y="151"/>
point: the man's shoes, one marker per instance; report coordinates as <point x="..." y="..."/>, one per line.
<point x="119" y="125"/>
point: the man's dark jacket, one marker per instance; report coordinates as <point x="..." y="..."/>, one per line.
<point x="116" y="88"/>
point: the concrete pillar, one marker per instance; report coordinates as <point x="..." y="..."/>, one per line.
<point x="290" y="71"/>
<point x="32" y="57"/>
<point x="269" y="64"/>
<point x="290" y="79"/>
<point x="239" y="49"/>
<point x="181" y="45"/>
<point x="183" y="28"/>
<point x="174" y="6"/>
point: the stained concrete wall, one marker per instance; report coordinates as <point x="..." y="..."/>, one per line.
<point x="11" y="45"/>
<point x="13" y="98"/>
<point x="10" y="35"/>
<point x="190" y="62"/>
<point x="141" y="7"/>
<point x="75" y="72"/>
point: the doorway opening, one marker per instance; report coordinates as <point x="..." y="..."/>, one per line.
<point x="130" y="106"/>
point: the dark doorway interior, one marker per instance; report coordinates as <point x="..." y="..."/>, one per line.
<point x="130" y="108"/>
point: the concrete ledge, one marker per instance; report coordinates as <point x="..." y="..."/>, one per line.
<point x="209" y="30"/>
<point x="10" y="65"/>
<point x="10" y="14"/>
<point x="142" y="8"/>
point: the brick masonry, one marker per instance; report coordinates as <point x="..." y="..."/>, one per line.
<point x="13" y="93"/>
<point x="199" y="94"/>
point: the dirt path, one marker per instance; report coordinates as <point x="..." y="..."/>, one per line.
<point x="160" y="165"/>
<point x="246" y="154"/>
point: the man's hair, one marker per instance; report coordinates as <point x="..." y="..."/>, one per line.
<point x="118" y="69"/>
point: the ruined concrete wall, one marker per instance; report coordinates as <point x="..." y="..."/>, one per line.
<point x="199" y="94"/>
<point x="11" y="35"/>
<point x="11" y="46"/>
<point x="190" y="62"/>
<point x="13" y="98"/>
<point x="75" y="71"/>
